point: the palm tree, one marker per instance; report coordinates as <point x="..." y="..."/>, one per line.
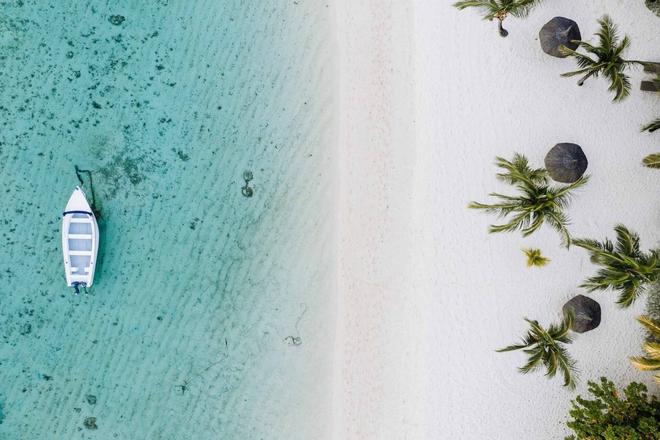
<point x="545" y="348"/>
<point x="623" y="266"/>
<point x="500" y="9"/>
<point x="535" y="258"/>
<point x="607" y="59"/>
<point x="537" y="203"/>
<point x="650" y="362"/>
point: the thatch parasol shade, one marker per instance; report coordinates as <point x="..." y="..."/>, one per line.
<point x="585" y="311"/>
<point x="557" y="32"/>
<point x="566" y="162"/>
<point x="654" y="5"/>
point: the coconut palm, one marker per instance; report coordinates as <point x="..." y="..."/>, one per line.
<point x="544" y="347"/>
<point x="624" y="267"/>
<point x="651" y="361"/>
<point x="538" y="201"/>
<point x="604" y="59"/>
<point x="500" y="9"/>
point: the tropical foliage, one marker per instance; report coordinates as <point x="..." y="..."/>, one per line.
<point x="610" y="417"/>
<point x="651" y="360"/>
<point x="500" y="9"/>
<point x="538" y="202"/>
<point x="545" y="348"/>
<point x="604" y="59"/>
<point x="652" y="160"/>
<point x="535" y="258"/>
<point x="654" y="6"/>
<point x="624" y="267"/>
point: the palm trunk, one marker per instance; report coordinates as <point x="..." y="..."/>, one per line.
<point x="584" y="78"/>
<point x="500" y="28"/>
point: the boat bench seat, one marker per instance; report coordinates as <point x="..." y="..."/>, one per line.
<point x="79" y="271"/>
<point x="80" y="253"/>
<point x="80" y="236"/>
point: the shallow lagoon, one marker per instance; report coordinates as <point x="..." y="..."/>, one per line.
<point x="210" y="316"/>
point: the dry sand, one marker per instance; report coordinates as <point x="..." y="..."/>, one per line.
<point x="429" y="96"/>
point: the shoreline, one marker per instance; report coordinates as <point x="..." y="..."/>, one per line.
<point x="373" y="398"/>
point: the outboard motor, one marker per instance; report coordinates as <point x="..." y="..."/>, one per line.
<point x="76" y="287"/>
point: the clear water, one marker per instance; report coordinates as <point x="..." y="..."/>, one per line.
<point x="210" y="315"/>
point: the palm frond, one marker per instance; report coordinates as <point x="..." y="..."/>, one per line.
<point x="628" y="293"/>
<point x="627" y="242"/>
<point x="485" y="4"/>
<point x="522" y="8"/>
<point x="567" y="367"/>
<point x="652" y="160"/>
<point x="652" y="326"/>
<point x="607" y="35"/>
<point x="535" y="357"/>
<point x="645" y="364"/>
<point x="619" y="82"/>
<point x="651" y="360"/>
<point x="653" y="126"/>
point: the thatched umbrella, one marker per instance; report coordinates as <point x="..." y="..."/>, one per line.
<point x="654" y="5"/>
<point x="559" y="32"/>
<point x="566" y="163"/>
<point x="585" y="312"/>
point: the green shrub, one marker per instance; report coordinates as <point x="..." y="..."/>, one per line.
<point x="609" y="417"/>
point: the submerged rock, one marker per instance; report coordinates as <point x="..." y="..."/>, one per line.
<point x="559" y="32"/>
<point x="585" y="311"/>
<point x="566" y="162"/>
<point x="116" y="19"/>
<point x="90" y="423"/>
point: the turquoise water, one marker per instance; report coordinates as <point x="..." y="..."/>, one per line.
<point x="211" y="313"/>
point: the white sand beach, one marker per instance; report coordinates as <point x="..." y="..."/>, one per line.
<point x="429" y="97"/>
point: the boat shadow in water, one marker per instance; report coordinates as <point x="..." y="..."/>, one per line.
<point x="85" y="177"/>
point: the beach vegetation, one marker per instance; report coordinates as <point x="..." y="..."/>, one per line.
<point x="651" y="359"/>
<point x="500" y="9"/>
<point x="605" y="58"/>
<point x="652" y="160"/>
<point x="654" y="6"/>
<point x="610" y="415"/>
<point x="545" y="349"/>
<point x="535" y="258"/>
<point x="536" y="203"/>
<point x="624" y="267"/>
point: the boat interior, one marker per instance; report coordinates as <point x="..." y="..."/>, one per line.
<point x="80" y="244"/>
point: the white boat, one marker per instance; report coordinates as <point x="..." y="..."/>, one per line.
<point x="80" y="241"/>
